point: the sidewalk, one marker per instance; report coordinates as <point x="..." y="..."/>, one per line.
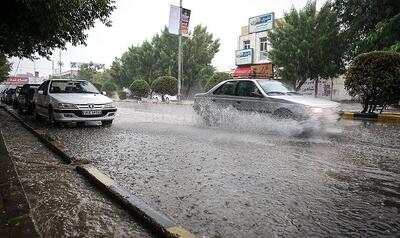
<point x="15" y="217"/>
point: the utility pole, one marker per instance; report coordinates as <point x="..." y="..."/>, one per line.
<point x="180" y="52"/>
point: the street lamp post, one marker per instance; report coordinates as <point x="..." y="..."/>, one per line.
<point x="180" y="52"/>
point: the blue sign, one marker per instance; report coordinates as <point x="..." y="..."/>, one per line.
<point x="244" y="57"/>
<point x="261" y="23"/>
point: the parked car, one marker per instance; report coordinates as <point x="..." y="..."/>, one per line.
<point x="15" y="96"/>
<point x="263" y="96"/>
<point x="7" y="96"/>
<point x="167" y="97"/>
<point x="3" y="94"/>
<point x="25" y="98"/>
<point x="64" y="100"/>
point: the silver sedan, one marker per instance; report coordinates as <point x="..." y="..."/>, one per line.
<point x="264" y="96"/>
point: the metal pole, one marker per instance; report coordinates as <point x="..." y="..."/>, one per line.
<point x="180" y="52"/>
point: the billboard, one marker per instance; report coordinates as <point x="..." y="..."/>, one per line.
<point x="176" y="17"/>
<point x="244" y="56"/>
<point x="16" y="80"/>
<point x="78" y="65"/>
<point x="261" y="23"/>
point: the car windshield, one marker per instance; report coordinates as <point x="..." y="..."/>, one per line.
<point x="275" y="87"/>
<point x="72" y="87"/>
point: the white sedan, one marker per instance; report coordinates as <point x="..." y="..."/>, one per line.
<point x="64" y="100"/>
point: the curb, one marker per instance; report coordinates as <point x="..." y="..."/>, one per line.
<point x="157" y="222"/>
<point x="52" y="144"/>
<point x="371" y="117"/>
<point x="162" y="224"/>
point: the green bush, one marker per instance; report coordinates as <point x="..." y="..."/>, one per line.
<point x="140" y="88"/>
<point x="122" y="95"/>
<point x="216" y="79"/>
<point x="109" y="87"/>
<point x="374" y="77"/>
<point x="99" y="86"/>
<point x="165" y="85"/>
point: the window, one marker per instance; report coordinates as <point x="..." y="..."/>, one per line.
<point x="263" y="44"/>
<point x="246" y="89"/>
<point x="44" y="87"/>
<point x="227" y="88"/>
<point x="72" y="87"/>
<point x="246" y="44"/>
<point x="263" y="48"/>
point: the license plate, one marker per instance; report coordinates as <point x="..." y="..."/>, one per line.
<point x="90" y="113"/>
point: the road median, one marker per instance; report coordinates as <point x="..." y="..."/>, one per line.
<point x="384" y="117"/>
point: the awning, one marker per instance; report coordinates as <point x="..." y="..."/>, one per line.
<point x="242" y="72"/>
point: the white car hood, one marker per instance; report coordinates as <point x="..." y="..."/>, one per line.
<point x="309" y="101"/>
<point x="81" y="98"/>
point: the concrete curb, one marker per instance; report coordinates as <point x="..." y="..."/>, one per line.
<point x="161" y="224"/>
<point x="52" y="144"/>
<point x="371" y="117"/>
<point x="157" y="222"/>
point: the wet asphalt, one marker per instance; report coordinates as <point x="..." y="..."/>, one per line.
<point x="250" y="176"/>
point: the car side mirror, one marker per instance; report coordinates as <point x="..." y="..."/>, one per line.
<point x="257" y="95"/>
<point x="103" y="93"/>
<point x="40" y="92"/>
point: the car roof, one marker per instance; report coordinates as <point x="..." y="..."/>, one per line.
<point x="79" y="80"/>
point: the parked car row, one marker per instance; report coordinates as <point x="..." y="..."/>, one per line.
<point x="61" y="101"/>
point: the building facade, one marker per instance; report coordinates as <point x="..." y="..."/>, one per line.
<point x="251" y="56"/>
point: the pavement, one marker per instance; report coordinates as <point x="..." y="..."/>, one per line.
<point x="15" y="216"/>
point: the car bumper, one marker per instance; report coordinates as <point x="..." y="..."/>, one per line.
<point x="63" y="115"/>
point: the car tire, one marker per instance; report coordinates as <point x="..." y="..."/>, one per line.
<point x="20" y="109"/>
<point x="37" y="116"/>
<point x="52" y="120"/>
<point x="106" y="123"/>
<point x="283" y="113"/>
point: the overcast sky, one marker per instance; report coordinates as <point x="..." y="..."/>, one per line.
<point x="135" y="21"/>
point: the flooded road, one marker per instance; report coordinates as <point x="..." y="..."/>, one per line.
<point x="251" y="176"/>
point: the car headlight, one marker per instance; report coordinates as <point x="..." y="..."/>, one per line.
<point x="316" y="109"/>
<point x="109" y="105"/>
<point x="67" y="106"/>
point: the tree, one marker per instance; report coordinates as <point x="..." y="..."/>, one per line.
<point x="85" y="72"/>
<point x="5" y="67"/>
<point x="198" y="54"/>
<point x="375" y="78"/>
<point x="122" y="95"/>
<point x="29" y="27"/>
<point x="368" y="25"/>
<point x="118" y="74"/>
<point x="165" y="85"/>
<point x="109" y="87"/>
<point x="158" y="57"/>
<point x="306" y="45"/>
<point x="216" y="79"/>
<point x="140" y="88"/>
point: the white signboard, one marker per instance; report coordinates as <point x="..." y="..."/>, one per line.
<point x="244" y="57"/>
<point x="177" y="17"/>
<point x="173" y="26"/>
<point x="261" y="23"/>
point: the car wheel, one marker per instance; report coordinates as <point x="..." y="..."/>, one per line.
<point x="52" y="119"/>
<point x="283" y="113"/>
<point x="106" y="123"/>
<point x="20" y="109"/>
